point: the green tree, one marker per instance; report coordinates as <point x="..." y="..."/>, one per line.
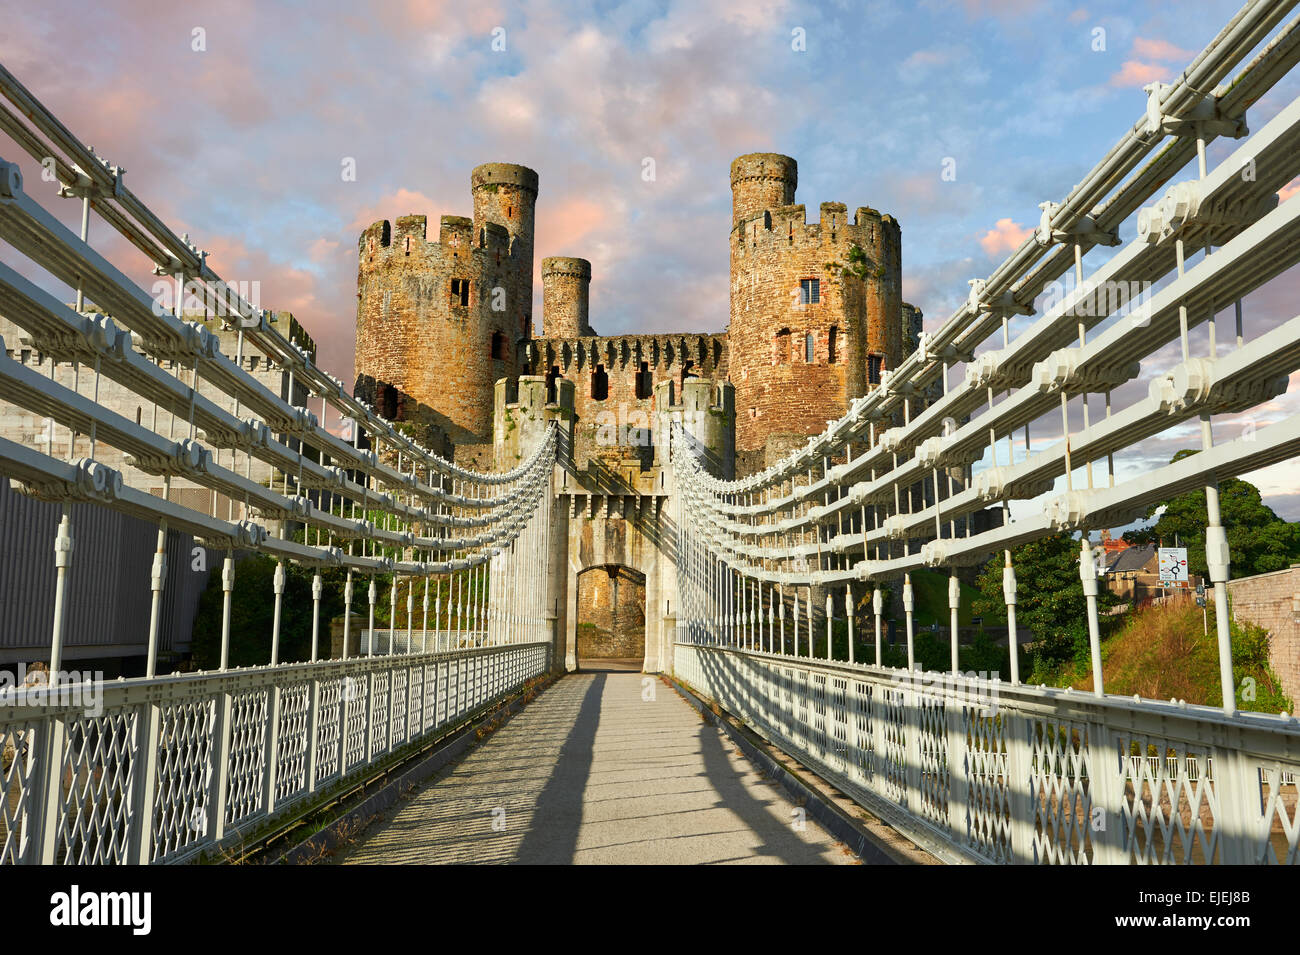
<point x="1050" y="601"/>
<point x="252" y="614"/>
<point x="1258" y="540"/>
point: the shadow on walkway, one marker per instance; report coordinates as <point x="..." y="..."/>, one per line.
<point x="557" y="816"/>
<point x="600" y="769"/>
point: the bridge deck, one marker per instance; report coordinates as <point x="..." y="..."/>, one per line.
<point x="591" y="773"/>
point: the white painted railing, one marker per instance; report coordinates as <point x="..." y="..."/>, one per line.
<point x="988" y="772"/>
<point x="169" y="768"/>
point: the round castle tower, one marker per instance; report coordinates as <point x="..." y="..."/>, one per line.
<point x="815" y="308"/>
<point x="761" y="181"/>
<point x="442" y="321"/>
<point x="566" y="293"/>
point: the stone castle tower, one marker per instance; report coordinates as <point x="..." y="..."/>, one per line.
<point x="816" y="317"/>
<point x="439" y="322"/>
<point x="816" y="308"/>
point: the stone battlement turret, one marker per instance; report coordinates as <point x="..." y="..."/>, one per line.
<point x="442" y="321"/>
<point x="761" y="181"/>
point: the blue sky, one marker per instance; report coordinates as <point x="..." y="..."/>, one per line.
<point x="241" y="142"/>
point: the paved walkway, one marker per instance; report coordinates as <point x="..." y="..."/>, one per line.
<point x="591" y="773"/>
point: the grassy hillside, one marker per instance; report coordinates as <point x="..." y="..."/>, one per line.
<point x="1162" y="653"/>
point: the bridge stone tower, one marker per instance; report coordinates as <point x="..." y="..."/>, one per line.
<point x="816" y="308"/>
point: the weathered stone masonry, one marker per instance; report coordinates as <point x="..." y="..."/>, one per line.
<point x="445" y="343"/>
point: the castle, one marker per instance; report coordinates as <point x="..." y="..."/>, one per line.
<point x="816" y="318"/>
<point x="446" y="348"/>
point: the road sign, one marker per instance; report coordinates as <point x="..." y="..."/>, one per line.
<point x="1173" y="564"/>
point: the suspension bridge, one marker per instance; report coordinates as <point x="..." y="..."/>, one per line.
<point x="749" y="576"/>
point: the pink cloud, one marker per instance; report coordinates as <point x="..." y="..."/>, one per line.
<point x="323" y="249"/>
<point x="1135" y="73"/>
<point x="407" y="202"/>
<point x="1159" y="50"/>
<point x="561" y="226"/>
<point x="921" y="58"/>
<point x="1289" y="190"/>
<point x="1006" y="236"/>
<point x="1002" y="9"/>
<point x="1077" y="16"/>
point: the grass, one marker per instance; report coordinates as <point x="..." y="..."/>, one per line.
<point x="1162" y="652"/>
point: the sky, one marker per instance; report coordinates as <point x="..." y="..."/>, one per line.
<point x="236" y="122"/>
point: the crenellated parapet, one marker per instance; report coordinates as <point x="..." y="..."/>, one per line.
<point x="706" y="412"/>
<point x="700" y="354"/>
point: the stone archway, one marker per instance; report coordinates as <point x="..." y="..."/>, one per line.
<point x="610" y="627"/>
<point x="595" y="533"/>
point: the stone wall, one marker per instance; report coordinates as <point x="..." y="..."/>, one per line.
<point x="615" y="430"/>
<point x="1272" y="601"/>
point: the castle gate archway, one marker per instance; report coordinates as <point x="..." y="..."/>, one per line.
<point x="611" y="631"/>
<point x="618" y="580"/>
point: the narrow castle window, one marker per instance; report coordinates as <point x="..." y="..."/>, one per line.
<point x="551" y="387"/>
<point x="809" y="348"/>
<point x="498" y="346"/>
<point x="644" y="381"/>
<point x="809" y="291"/>
<point x="875" y="363"/>
<point x="408" y="245"/>
<point x="460" y="292"/>
<point x="599" y="384"/>
<point x="832" y="344"/>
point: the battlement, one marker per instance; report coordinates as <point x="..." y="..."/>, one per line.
<point x="408" y="238"/>
<point x="788" y="225"/>
<point x="564" y="265"/>
<point x="456" y="230"/>
<point x="705" y="353"/>
<point x="493" y="174"/>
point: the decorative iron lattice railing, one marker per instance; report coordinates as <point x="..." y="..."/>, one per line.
<point x="767" y="564"/>
<point x="172" y="765"/>
<point x="986" y="772"/>
<point x="164" y="769"/>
